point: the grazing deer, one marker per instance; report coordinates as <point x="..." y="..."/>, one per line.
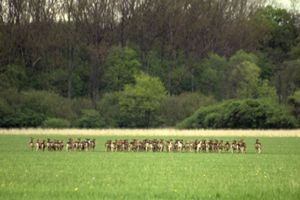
<point x="107" y="145"/>
<point x="43" y="145"/>
<point x="110" y="146"/>
<point x="215" y="145"/>
<point x="169" y="146"/>
<point x="93" y="144"/>
<point x="208" y="145"/>
<point x="242" y="146"/>
<point x="148" y="146"/>
<point x="227" y="146"/>
<point x="160" y="145"/>
<point x="31" y="144"/>
<point x="69" y="145"/>
<point x="220" y="146"/>
<point x="37" y="145"/>
<point x="198" y="146"/>
<point x="61" y="145"/>
<point x="234" y="146"/>
<point x="179" y="145"/>
<point x="188" y="146"/>
<point x="50" y="145"/>
<point x="257" y="146"/>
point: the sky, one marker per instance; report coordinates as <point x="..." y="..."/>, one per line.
<point x="286" y="3"/>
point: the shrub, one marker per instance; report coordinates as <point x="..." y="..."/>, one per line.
<point x="90" y="119"/>
<point x="109" y="108"/>
<point x="56" y="123"/>
<point x="16" y="117"/>
<point x="45" y="102"/>
<point x="213" y="120"/>
<point x="25" y="118"/>
<point x="139" y="103"/>
<point x="175" y="108"/>
<point x="31" y="108"/>
<point x="240" y="114"/>
<point x="294" y="103"/>
<point x="6" y="113"/>
<point x="79" y="104"/>
<point x="48" y="103"/>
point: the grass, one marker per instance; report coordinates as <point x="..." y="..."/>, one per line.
<point x="99" y="175"/>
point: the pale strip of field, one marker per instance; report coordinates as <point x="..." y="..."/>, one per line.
<point x="153" y="132"/>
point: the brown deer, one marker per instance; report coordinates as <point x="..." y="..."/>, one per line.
<point x="257" y="146"/>
<point x="31" y="144"/>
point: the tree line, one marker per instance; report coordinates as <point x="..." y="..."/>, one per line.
<point x="142" y="63"/>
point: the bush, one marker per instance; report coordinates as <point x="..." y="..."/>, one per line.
<point x="249" y="113"/>
<point x="26" y="118"/>
<point x="16" y="117"/>
<point x="294" y="103"/>
<point x="45" y="102"/>
<point x="48" y="103"/>
<point x="109" y="108"/>
<point x="175" y="108"/>
<point x="6" y="113"/>
<point x="79" y="104"/>
<point x="31" y="108"/>
<point x="213" y="120"/>
<point x="90" y="119"/>
<point x="56" y="123"/>
<point x="139" y="103"/>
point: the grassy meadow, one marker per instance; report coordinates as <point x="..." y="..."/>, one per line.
<point x="26" y="174"/>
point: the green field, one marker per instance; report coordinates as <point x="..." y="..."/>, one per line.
<point x="275" y="174"/>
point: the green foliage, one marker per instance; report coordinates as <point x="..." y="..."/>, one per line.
<point x="109" y="108"/>
<point x="57" y="78"/>
<point x="243" y="78"/>
<point x="56" y="123"/>
<point x="175" y="108"/>
<point x="294" y="54"/>
<point x="24" y="118"/>
<point x="6" y="113"/>
<point x="241" y="56"/>
<point x="5" y="108"/>
<point x="249" y="78"/>
<point x="212" y="77"/>
<point x="251" y="114"/>
<point x="295" y="99"/>
<point x="79" y="104"/>
<point x="139" y="102"/>
<point x="288" y="79"/>
<point x="48" y="103"/>
<point x="13" y="112"/>
<point x="177" y="74"/>
<point x="180" y="80"/>
<point x="239" y="77"/>
<point x="122" y="64"/>
<point x="232" y="51"/>
<point x="282" y="32"/>
<point x="30" y="108"/>
<point x="294" y="102"/>
<point x="266" y="65"/>
<point x="90" y="119"/>
<point x="14" y="76"/>
<point x="266" y="91"/>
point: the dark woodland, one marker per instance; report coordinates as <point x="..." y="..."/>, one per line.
<point x="149" y="63"/>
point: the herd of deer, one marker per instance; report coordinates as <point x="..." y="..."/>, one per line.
<point x="178" y="145"/>
<point x="58" y="145"/>
<point x="146" y="145"/>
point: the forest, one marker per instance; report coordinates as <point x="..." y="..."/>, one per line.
<point x="149" y="63"/>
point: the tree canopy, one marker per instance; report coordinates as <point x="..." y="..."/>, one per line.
<point x="126" y="63"/>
